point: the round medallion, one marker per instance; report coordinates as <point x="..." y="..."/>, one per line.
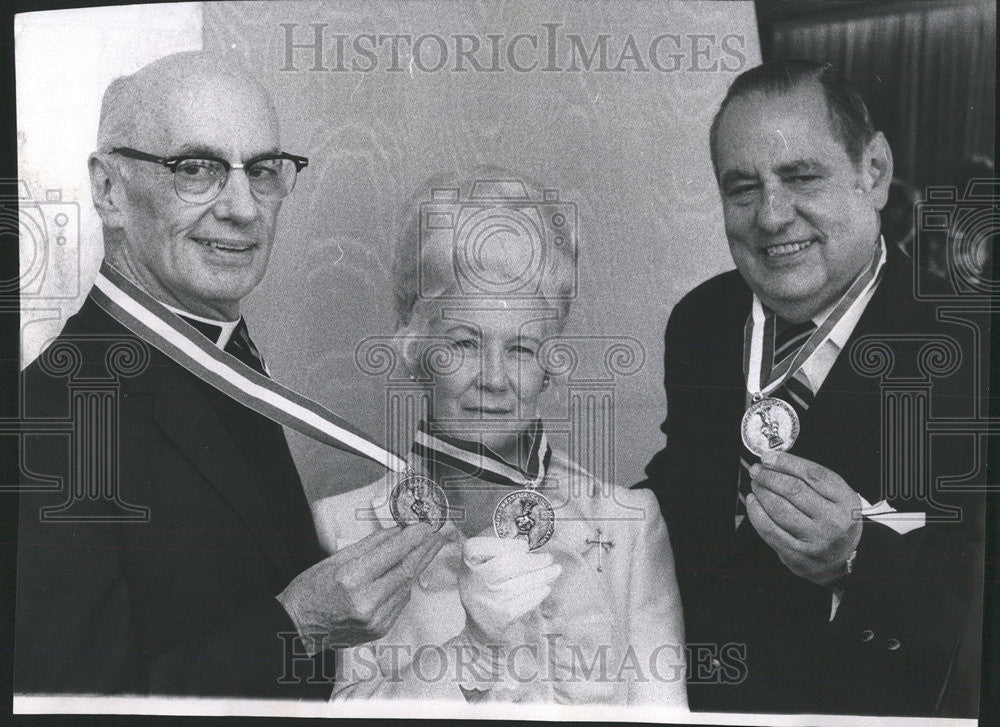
<point x="769" y="424"/>
<point x="525" y="514"/>
<point x="418" y="499"/>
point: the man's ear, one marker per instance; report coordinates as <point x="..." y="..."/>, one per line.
<point x="877" y="169"/>
<point x="105" y="188"/>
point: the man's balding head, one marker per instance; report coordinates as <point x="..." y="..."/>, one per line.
<point x="203" y="257"/>
<point x="134" y="106"/>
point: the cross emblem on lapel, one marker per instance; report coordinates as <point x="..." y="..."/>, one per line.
<point x="602" y="547"/>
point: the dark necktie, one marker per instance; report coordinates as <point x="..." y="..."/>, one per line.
<point x="242" y="347"/>
<point x="240" y="344"/>
<point x="788" y="339"/>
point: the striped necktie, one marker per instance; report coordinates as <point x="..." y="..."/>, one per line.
<point x="788" y="339"/>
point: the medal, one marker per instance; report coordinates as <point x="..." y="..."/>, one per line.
<point x="769" y="424"/>
<point x="418" y="499"/>
<point x="525" y="514"/>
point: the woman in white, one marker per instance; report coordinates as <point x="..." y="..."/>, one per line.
<point x="591" y="615"/>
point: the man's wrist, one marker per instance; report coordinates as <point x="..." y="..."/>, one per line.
<point x="312" y="642"/>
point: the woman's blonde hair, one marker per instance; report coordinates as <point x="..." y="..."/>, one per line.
<point x="486" y="232"/>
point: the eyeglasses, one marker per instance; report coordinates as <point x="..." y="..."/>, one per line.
<point x="199" y="179"/>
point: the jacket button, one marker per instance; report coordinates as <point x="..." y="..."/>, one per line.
<point x="892" y="644"/>
<point x="867" y="635"/>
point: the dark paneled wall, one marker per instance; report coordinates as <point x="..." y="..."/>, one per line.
<point x="927" y="71"/>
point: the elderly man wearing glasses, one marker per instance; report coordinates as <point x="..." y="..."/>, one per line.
<point x="186" y="561"/>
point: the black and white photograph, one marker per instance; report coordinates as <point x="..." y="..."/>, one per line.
<point x="522" y="360"/>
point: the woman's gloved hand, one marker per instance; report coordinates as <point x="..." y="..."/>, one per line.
<point x="500" y="582"/>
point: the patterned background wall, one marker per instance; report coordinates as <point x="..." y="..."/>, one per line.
<point x="629" y="148"/>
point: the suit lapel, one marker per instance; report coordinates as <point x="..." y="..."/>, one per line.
<point x="191" y="423"/>
<point x="843" y="415"/>
<point x="847" y="411"/>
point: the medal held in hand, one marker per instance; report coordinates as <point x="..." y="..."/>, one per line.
<point x="525" y="514"/>
<point x="769" y="424"/>
<point x="418" y="499"/>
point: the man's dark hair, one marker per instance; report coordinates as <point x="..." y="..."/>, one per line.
<point x="850" y="121"/>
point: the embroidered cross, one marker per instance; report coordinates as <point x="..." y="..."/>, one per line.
<point x="602" y="546"/>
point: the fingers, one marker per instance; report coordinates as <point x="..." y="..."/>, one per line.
<point x="823" y="481"/>
<point x="367" y="543"/>
<point x="479" y="550"/>
<point x="782" y="512"/>
<point x="514" y="598"/>
<point x="527" y="582"/>
<point x="388" y="611"/>
<point x="389" y="551"/>
<point x="504" y="568"/>
<point x="792" y="490"/>
<point x="769" y="530"/>
<point x="495" y="561"/>
<point x="401" y="576"/>
<point x="529" y="601"/>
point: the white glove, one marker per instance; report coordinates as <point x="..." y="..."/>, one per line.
<point x="499" y="582"/>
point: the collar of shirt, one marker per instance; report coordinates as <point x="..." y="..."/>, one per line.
<point x="227" y="327"/>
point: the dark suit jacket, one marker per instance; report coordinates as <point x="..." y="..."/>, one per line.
<point x="890" y="648"/>
<point x="183" y="602"/>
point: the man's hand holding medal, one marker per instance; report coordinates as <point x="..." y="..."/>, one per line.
<point x="807" y="513"/>
<point x="355" y="595"/>
<point x="804" y="511"/>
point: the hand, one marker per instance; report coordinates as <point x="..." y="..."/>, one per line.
<point x="499" y="582"/>
<point x="807" y="513"/>
<point x="355" y="595"/>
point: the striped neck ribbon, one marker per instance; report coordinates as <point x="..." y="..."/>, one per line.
<point x="155" y="324"/>
<point x="478" y="460"/>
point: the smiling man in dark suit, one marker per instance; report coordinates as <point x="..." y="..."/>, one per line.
<point x="219" y="587"/>
<point x="774" y="481"/>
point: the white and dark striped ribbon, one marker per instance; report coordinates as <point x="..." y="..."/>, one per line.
<point x="155" y="324"/>
<point x="478" y="460"/>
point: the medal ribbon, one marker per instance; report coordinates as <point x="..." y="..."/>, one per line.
<point x="754" y="331"/>
<point x="474" y="458"/>
<point x="155" y="324"/>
